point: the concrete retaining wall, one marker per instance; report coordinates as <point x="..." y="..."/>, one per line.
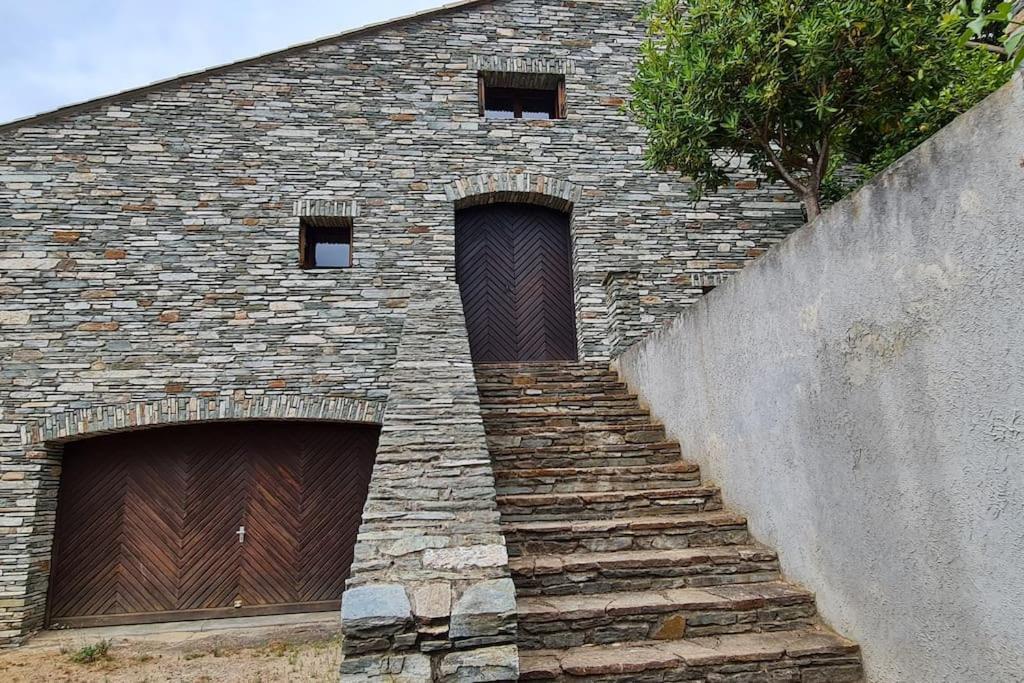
<point x="859" y="393"/>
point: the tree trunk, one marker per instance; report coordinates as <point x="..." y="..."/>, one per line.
<point x="813" y="205"/>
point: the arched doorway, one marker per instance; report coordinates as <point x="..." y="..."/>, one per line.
<point x="208" y="520"/>
<point x="514" y="268"/>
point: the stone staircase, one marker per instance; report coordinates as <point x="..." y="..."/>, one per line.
<point x="626" y="566"/>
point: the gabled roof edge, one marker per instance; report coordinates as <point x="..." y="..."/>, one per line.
<point x="214" y="70"/>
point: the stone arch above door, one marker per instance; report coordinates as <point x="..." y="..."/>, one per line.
<point x="514" y="188"/>
<point x="169" y="411"/>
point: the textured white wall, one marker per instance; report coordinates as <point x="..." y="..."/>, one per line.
<point x="859" y="393"/>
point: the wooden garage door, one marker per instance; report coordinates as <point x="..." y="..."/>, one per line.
<point x="208" y="520"/>
<point x="514" y="269"/>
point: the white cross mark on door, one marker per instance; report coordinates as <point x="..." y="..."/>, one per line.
<point x="241" y="534"/>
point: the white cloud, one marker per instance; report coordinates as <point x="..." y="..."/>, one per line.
<point x="58" y="52"/>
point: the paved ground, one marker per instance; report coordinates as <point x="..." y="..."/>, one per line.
<point x="297" y="648"/>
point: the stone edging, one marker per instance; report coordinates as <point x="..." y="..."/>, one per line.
<point x="98" y="420"/>
<point x="520" y="65"/>
<point x="490" y="188"/>
<point x="324" y="207"/>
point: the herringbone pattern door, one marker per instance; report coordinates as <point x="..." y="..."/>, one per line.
<point x="485" y="267"/>
<point x="209" y="520"/>
<point x="514" y="269"/>
<point x="335" y="468"/>
<point x="215" y="495"/>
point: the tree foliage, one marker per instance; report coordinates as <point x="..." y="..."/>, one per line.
<point x="799" y="86"/>
<point x="990" y="22"/>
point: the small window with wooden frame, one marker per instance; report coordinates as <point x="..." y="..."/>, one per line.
<point x="325" y="242"/>
<point x="513" y="95"/>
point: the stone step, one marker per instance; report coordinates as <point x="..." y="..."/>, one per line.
<point x="638" y="570"/>
<point x="557" y="402"/>
<point x="671" y="614"/>
<point x="591" y="413"/>
<point x="531" y="381"/>
<point x="585" y="479"/>
<point x="506" y="395"/>
<point x="510" y="372"/>
<point x="543" y="423"/>
<point x="561" y="537"/>
<point x="808" y="655"/>
<point x="608" y="504"/>
<point x="602" y="455"/>
<point x="598" y="434"/>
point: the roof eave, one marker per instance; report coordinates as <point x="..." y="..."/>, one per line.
<point x="132" y="93"/>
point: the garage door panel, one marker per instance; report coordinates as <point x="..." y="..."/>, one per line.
<point x="87" y="540"/>
<point x="149" y="576"/>
<point x="270" y="551"/>
<point x="336" y="474"/>
<point x="214" y="492"/>
<point x="148" y="522"/>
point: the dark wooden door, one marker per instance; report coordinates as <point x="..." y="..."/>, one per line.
<point x="150" y="524"/>
<point x="514" y="268"/>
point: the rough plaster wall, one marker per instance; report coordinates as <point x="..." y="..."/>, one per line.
<point x="859" y="393"/>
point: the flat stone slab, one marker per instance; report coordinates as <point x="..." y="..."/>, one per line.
<point x="742" y="596"/>
<point x="639" y="559"/>
<point x="815" y="646"/>
<point x="652" y="523"/>
<point x="376" y="601"/>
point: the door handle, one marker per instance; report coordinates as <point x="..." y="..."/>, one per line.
<point x="241" y="534"/>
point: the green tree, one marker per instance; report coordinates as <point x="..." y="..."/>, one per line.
<point x="800" y="86"/>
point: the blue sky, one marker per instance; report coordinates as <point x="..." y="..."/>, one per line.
<point x="58" y="52"/>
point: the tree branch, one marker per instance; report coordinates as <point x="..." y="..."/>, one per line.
<point x="821" y="167"/>
<point x="781" y="169"/>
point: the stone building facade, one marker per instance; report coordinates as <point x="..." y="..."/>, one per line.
<point x="149" y="274"/>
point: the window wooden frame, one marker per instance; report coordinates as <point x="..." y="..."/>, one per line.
<point x="312" y="229"/>
<point x="526" y="85"/>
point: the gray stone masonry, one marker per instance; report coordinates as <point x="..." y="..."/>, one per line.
<point x="431" y="571"/>
<point x="149" y="256"/>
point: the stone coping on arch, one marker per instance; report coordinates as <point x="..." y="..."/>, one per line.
<point x="529" y="188"/>
<point x="97" y="420"/>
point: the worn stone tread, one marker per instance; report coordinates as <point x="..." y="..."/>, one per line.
<point x="607" y="470"/>
<point x="806" y="647"/>
<point x="537" y="403"/>
<point x="601" y="504"/>
<point x="633" y="430"/>
<point x="640" y="559"/>
<point x="737" y="596"/>
<point x="593" y="479"/>
<point x="714" y="519"/>
<point x="626" y="532"/>
<point x="605" y="449"/>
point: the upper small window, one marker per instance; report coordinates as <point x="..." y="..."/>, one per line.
<point x="522" y="96"/>
<point x="325" y="242"/>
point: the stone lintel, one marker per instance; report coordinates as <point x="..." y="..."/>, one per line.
<point x="529" y="188"/>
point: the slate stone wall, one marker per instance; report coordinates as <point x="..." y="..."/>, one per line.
<point x="430" y="585"/>
<point x="149" y="244"/>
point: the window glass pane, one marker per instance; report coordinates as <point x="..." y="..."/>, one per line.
<point x="535" y="114"/>
<point x="539" y="104"/>
<point x="501" y="104"/>
<point x="331" y="255"/>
